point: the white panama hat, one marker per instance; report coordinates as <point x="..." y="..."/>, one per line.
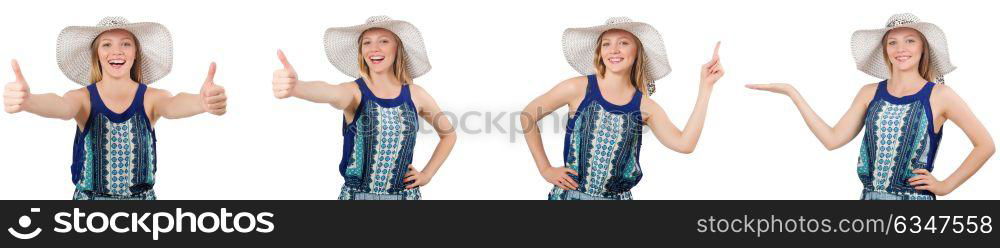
<point x="342" y="45"/>
<point x="867" y="47"/>
<point x="579" y="45"/>
<point x="73" y="48"/>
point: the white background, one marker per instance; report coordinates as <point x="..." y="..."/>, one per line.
<point x="496" y="57"/>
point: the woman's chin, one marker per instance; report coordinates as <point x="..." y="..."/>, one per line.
<point x="618" y="70"/>
<point x="114" y="75"/>
<point x="378" y="70"/>
<point x="907" y="68"/>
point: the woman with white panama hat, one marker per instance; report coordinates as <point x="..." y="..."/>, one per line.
<point x="380" y="107"/>
<point x="903" y="115"/>
<point x="609" y="106"/>
<point x="114" y="152"/>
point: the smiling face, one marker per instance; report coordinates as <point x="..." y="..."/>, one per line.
<point x="115" y="52"/>
<point x="618" y="50"/>
<point x="379" y="49"/>
<point x="906" y="49"/>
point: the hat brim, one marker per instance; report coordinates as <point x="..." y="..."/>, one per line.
<point x="866" y="46"/>
<point x="579" y="45"/>
<point x="73" y="50"/>
<point x="341" y="45"/>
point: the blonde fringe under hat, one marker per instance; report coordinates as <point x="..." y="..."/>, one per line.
<point x="579" y="45"/>
<point x="867" y="47"/>
<point x="73" y="48"/>
<point x="342" y="45"/>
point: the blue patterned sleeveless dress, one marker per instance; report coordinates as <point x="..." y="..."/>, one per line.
<point x="114" y="157"/>
<point x="602" y="145"/>
<point x="899" y="138"/>
<point x="378" y="147"/>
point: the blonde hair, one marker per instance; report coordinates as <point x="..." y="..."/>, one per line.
<point x="95" y="60"/>
<point x="924" y="67"/>
<point x="398" y="64"/>
<point x="638" y="77"/>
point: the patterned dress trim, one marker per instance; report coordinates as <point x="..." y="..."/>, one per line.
<point x="114" y="156"/>
<point x="899" y="137"/>
<point x="602" y="144"/>
<point x="378" y="147"/>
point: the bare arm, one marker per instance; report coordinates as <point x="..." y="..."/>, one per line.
<point x="212" y="99"/>
<point x="17" y="97"/>
<point x="665" y="131"/>
<point x="286" y="83"/>
<point x="50" y="105"/>
<point x="536" y="110"/>
<point x="832" y="137"/>
<point x="339" y="96"/>
<point x="956" y="110"/>
<point x="668" y="134"/>
<point x="429" y="111"/>
<point x="169" y="106"/>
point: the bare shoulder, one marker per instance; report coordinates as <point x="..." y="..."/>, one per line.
<point x="943" y="91"/>
<point x="156" y="93"/>
<point x="78" y="94"/>
<point x="866" y="94"/>
<point x="349" y="84"/>
<point x="868" y="91"/>
<point x="647" y="103"/>
<point x="418" y="91"/>
<point x="352" y="86"/>
<point x="573" y="84"/>
<point x="943" y="94"/>
<point x="570" y="90"/>
<point x="648" y="107"/>
<point x="420" y="95"/>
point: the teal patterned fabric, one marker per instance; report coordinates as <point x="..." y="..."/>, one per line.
<point x="602" y="145"/>
<point x="898" y="138"/>
<point x="348" y="193"/>
<point x="115" y="154"/>
<point x="378" y="148"/>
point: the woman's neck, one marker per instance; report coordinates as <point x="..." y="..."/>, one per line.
<point x="618" y="81"/>
<point x="117" y="86"/>
<point x="905" y="81"/>
<point x="384" y="78"/>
